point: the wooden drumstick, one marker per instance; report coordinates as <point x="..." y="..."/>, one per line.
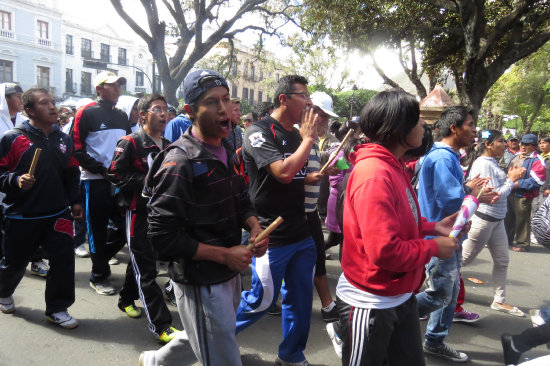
<point x="337" y="151"/>
<point x="34" y="161"/>
<point x="278" y="221"/>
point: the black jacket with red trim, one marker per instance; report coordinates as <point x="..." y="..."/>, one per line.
<point x="195" y="198"/>
<point x="130" y="166"/>
<point x="57" y="175"/>
<point x="96" y="129"/>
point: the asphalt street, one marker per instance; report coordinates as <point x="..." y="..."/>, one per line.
<point x="106" y="336"/>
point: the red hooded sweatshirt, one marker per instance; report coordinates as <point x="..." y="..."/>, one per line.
<point x="384" y="251"/>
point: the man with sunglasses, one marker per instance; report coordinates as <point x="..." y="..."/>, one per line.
<point x="518" y="218"/>
<point x="198" y="208"/>
<point x="96" y="129"/>
<point x="129" y="168"/>
<point x="276" y="155"/>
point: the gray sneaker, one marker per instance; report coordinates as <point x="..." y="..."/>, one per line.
<point x="279" y="362"/>
<point x="63" y="319"/>
<point x="103" y="287"/>
<point x="6" y="305"/>
<point x="446" y="352"/>
<point x="81" y="251"/>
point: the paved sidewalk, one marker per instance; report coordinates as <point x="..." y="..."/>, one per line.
<point x="106" y="336"/>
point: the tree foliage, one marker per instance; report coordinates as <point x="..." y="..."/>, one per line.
<point x="523" y="91"/>
<point x="196" y="26"/>
<point x="475" y="40"/>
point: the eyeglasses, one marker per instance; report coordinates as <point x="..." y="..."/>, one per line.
<point x="158" y="110"/>
<point x="303" y="94"/>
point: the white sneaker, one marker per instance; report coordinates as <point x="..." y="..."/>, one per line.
<point x="337" y="343"/>
<point x="536" y="319"/>
<point x="40" y="268"/>
<point x="63" y="319"/>
<point x="7" y="305"/>
<point x="81" y="251"/>
<point x="114" y="261"/>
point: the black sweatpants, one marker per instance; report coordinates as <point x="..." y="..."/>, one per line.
<point x="140" y="281"/>
<point x="373" y="337"/>
<point x="21" y="239"/>
<point x="532" y="337"/>
<point x="316" y="231"/>
<point x="101" y="212"/>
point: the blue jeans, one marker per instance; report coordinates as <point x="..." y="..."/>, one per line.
<point x="439" y="299"/>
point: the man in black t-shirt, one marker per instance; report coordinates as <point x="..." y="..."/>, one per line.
<point x="275" y="155"/>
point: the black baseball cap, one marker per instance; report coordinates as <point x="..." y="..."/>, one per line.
<point x="199" y="82"/>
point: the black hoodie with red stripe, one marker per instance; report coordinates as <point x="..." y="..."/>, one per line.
<point x="57" y="174"/>
<point x="129" y="168"/>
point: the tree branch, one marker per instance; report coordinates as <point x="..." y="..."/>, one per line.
<point x="135" y="27"/>
<point x="383" y="75"/>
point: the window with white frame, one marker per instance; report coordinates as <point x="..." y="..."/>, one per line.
<point x="6" y="71"/>
<point x="5" y="19"/>
<point x="43" y="29"/>
<point x="43" y="77"/>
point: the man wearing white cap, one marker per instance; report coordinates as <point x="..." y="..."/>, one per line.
<point x="323" y="107"/>
<point x="97" y="128"/>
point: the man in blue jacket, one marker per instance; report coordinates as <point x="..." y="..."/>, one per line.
<point x="440" y="194"/>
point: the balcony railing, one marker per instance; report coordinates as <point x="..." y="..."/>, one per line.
<point x="44" y="42"/>
<point x="4" y="33"/>
<point x="140" y="89"/>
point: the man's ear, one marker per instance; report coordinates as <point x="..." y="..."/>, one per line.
<point x="143" y="116"/>
<point x="28" y="112"/>
<point x="283" y="99"/>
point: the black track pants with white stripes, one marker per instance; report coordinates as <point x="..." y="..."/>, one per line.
<point x="373" y="337"/>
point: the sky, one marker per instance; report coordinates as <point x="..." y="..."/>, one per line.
<point x="96" y="13"/>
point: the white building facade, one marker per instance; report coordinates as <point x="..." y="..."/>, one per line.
<point x="39" y="48"/>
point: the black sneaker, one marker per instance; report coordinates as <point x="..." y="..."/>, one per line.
<point x="330" y="316"/>
<point x="511" y="357"/>
<point x="169" y="293"/>
<point x="275" y="310"/>
<point x="446" y="352"/>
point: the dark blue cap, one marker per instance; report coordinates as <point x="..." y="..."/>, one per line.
<point x="199" y="82"/>
<point x="529" y="139"/>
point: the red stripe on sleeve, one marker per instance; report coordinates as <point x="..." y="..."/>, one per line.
<point x="76" y="126"/>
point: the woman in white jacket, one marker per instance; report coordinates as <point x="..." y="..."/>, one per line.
<point x="488" y="221"/>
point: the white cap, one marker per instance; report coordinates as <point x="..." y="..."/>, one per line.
<point x="323" y="101"/>
<point x="107" y="77"/>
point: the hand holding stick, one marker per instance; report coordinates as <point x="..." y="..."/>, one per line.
<point x="34" y="161"/>
<point x="350" y="132"/>
<point x="278" y="221"/>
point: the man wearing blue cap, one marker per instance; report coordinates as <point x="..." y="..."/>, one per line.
<point x="518" y="218"/>
<point x="198" y="208"/>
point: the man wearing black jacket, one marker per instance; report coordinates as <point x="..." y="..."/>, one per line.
<point x="129" y="168"/>
<point x="198" y="207"/>
<point x="36" y="206"/>
<point x="96" y="129"/>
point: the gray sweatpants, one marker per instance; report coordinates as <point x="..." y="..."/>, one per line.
<point x="492" y="234"/>
<point x="208" y="316"/>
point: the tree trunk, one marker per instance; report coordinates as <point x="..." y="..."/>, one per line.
<point x="170" y="87"/>
<point x="535" y="113"/>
